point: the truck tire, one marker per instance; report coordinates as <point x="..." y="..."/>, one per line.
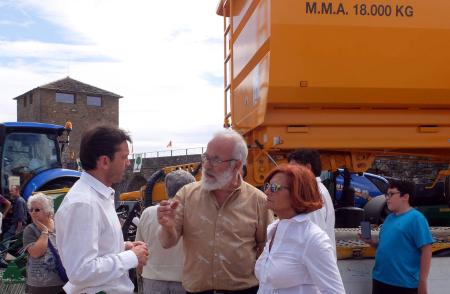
<point x="447" y="190"/>
<point x="376" y="210"/>
<point x="348" y="217"/>
<point x="59" y="183"/>
<point x="442" y="253"/>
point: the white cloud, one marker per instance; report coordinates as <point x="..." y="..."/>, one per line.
<point x="46" y="51"/>
<point x="157" y="54"/>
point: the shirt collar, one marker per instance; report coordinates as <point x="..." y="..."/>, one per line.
<point x="241" y="183"/>
<point x="300" y="217"/>
<point x="106" y="192"/>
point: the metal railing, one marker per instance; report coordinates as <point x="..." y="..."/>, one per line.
<point x="170" y="153"/>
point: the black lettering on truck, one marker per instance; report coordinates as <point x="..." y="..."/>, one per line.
<point x="402" y="11"/>
<point x="311" y="8"/>
<point x="327" y="8"/>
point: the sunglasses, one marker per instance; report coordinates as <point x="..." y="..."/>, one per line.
<point x="34" y="210"/>
<point x="274" y="187"/>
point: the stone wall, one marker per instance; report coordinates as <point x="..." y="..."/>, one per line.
<point x="28" y="106"/>
<point x="408" y="168"/>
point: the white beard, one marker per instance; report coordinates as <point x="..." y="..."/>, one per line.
<point x="219" y="183"/>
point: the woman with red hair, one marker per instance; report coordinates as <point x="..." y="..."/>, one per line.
<point x="298" y="256"/>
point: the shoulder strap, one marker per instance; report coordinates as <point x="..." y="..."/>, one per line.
<point x="60" y="268"/>
<point x="53" y="250"/>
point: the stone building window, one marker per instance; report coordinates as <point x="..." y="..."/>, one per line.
<point x="94" y="101"/>
<point x="31" y="98"/>
<point x="65" y="98"/>
<point x="24" y="101"/>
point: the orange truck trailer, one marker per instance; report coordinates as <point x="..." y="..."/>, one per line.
<point x="354" y="79"/>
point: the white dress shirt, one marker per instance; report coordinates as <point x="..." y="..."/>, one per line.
<point x="162" y="264"/>
<point x="90" y="241"/>
<point x="325" y="217"/>
<point x="301" y="260"/>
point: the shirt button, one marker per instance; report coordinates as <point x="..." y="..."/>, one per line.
<point x="215" y="254"/>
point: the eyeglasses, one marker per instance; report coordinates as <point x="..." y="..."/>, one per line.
<point x="390" y="194"/>
<point x="34" y="210"/>
<point x="274" y="187"/>
<point x="214" y="161"/>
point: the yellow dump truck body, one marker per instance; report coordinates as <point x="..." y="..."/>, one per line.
<point x="354" y="79"/>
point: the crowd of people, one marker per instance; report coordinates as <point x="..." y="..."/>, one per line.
<point x="216" y="235"/>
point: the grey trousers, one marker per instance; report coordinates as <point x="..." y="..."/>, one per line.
<point x="162" y="287"/>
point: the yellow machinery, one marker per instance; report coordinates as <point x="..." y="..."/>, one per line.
<point x="354" y="79"/>
<point x="155" y="191"/>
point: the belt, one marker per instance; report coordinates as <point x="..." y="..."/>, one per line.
<point x="244" y="291"/>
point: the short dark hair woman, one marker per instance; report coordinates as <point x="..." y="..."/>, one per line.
<point x="298" y="256"/>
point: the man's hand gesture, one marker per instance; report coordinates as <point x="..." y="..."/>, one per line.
<point x="166" y="213"/>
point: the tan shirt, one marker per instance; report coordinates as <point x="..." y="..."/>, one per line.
<point x="221" y="244"/>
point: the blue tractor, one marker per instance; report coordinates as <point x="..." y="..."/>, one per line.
<point x="356" y="197"/>
<point x="30" y="156"/>
<point x="366" y="186"/>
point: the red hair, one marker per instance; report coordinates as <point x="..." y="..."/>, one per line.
<point x="304" y="192"/>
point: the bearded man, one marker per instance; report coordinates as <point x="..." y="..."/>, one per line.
<point x="222" y="219"/>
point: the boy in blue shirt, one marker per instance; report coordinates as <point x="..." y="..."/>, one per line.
<point x="402" y="260"/>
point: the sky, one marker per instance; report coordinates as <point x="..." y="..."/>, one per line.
<point x="164" y="57"/>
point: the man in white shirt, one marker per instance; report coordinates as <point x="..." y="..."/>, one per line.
<point x="323" y="217"/>
<point x="162" y="273"/>
<point x="88" y="231"/>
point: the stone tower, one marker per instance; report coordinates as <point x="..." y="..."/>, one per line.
<point x="69" y="100"/>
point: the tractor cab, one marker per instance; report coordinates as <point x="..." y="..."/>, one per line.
<point x="29" y="150"/>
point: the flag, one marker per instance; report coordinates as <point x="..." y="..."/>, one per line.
<point x="169" y="145"/>
<point x="137" y="163"/>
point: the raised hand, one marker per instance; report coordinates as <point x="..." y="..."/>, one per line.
<point x="166" y="213"/>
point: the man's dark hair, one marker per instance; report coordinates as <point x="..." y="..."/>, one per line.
<point x="404" y="187"/>
<point x="305" y="156"/>
<point x="99" y="141"/>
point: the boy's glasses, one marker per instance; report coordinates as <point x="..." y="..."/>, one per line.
<point x="390" y="194"/>
<point x="274" y="187"/>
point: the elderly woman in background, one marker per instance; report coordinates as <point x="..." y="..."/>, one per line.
<point x="298" y="256"/>
<point x="162" y="273"/>
<point x="42" y="273"/>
